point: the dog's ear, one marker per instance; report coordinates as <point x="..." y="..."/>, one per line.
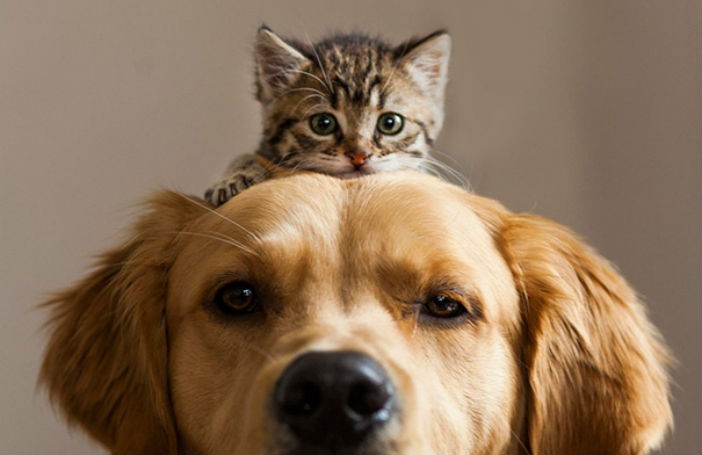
<point x="596" y="367"/>
<point x="106" y="359"/>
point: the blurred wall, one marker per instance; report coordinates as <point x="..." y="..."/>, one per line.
<point x="586" y="112"/>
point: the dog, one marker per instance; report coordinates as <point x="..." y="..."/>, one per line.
<point x="390" y="314"/>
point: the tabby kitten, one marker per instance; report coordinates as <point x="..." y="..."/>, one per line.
<point x="346" y="106"/>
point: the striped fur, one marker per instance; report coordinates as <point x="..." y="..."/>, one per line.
<point x="355" y="78"/>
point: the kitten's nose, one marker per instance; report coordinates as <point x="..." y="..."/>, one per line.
<point x="358" y="157"/>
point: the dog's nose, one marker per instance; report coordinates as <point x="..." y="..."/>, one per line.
<point x="332" y="400"/>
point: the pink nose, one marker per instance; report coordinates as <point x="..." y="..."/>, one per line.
<point x="358" y="157"/>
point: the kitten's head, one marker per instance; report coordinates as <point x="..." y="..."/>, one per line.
<point x="350" y="104"/>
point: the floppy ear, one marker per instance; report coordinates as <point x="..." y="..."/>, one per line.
<point x="106" y="360"/>
<point x="596" y="366"/>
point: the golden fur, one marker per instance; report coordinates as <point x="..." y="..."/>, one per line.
<point x="562" y="359"/>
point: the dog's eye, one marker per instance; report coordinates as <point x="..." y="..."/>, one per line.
<point x="443" y="306"/>
<point x="236" y="298"/>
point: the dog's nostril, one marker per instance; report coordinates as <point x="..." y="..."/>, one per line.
<point x="300" y="399"/>
<point x="369" y="397"/>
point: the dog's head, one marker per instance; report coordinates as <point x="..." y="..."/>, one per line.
<point x="389" y="314"/>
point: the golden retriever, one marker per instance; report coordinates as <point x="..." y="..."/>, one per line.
<point x="388" y="314"/>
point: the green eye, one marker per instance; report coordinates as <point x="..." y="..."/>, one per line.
<point x="390" y="123"/>
<point x="323" y="124"/>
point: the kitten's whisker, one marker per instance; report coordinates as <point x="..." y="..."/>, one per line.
<point x="453" y="160"/>
<point x="303" y="162"/>
<point x="306" y="73"/>
<point x="521" y="443"/>
<point x="287" y="70"/>
<point x="313" y="164"/>
<point x="216" y="213"/>
<point x="443" y="170"/>
<point x="212" y="235"/>
<point x="294" y="109"/>
<point x="319" y="63"/>
<point x="459" y="176"/>
<point x="312" y="108"/>
<point x="318" y="107"/>
<point x="305" y="89"/>
<point x="300" y="89"/>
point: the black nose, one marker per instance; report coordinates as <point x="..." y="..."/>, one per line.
<point x="332" y="400"/>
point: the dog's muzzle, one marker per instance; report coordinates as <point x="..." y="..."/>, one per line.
<point x="334" y="401"/>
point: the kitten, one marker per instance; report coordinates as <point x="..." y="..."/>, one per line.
<point x="346" y="106"/>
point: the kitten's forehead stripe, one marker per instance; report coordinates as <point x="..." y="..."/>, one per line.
<point x="354" y="63"/>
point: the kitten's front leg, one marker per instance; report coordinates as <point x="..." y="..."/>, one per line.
<point x="242" y="173"/>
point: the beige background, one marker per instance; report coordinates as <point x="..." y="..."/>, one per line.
<point x="586" y="112"/>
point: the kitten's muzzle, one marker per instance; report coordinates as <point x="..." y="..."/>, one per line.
<point x="334" y="401"/>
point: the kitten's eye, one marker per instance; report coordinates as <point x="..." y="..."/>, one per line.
<point x="323" y="124"/>
<point x="390" y="123"/>
<point x="236" y="298"/>
<point x="443" y="306"/>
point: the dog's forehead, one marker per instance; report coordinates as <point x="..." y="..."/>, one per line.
<point x="386" y="215"/>
<point x="308" y="203"/>
<point x="424" y="231"/>
<point x="363" y="219"/>
<point x="426" y="212"/>
<point x="382" y="208"/>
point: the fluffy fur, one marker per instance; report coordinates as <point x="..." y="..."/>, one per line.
<point x="560" y="358"/>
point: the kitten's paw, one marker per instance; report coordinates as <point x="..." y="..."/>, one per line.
<point x="226" y="189"/>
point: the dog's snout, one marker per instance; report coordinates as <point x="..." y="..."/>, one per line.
<point x="334" y="399"/>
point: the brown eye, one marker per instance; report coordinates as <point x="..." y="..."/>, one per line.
<point x="390" y="123"/>
<point x="236" y="298"/>
<point x="443" y="306"/>
<point x="323" y="123"/>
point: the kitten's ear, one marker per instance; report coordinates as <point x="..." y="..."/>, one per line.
<point x="426" y="61"/>
<point x="277" y="63"/>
